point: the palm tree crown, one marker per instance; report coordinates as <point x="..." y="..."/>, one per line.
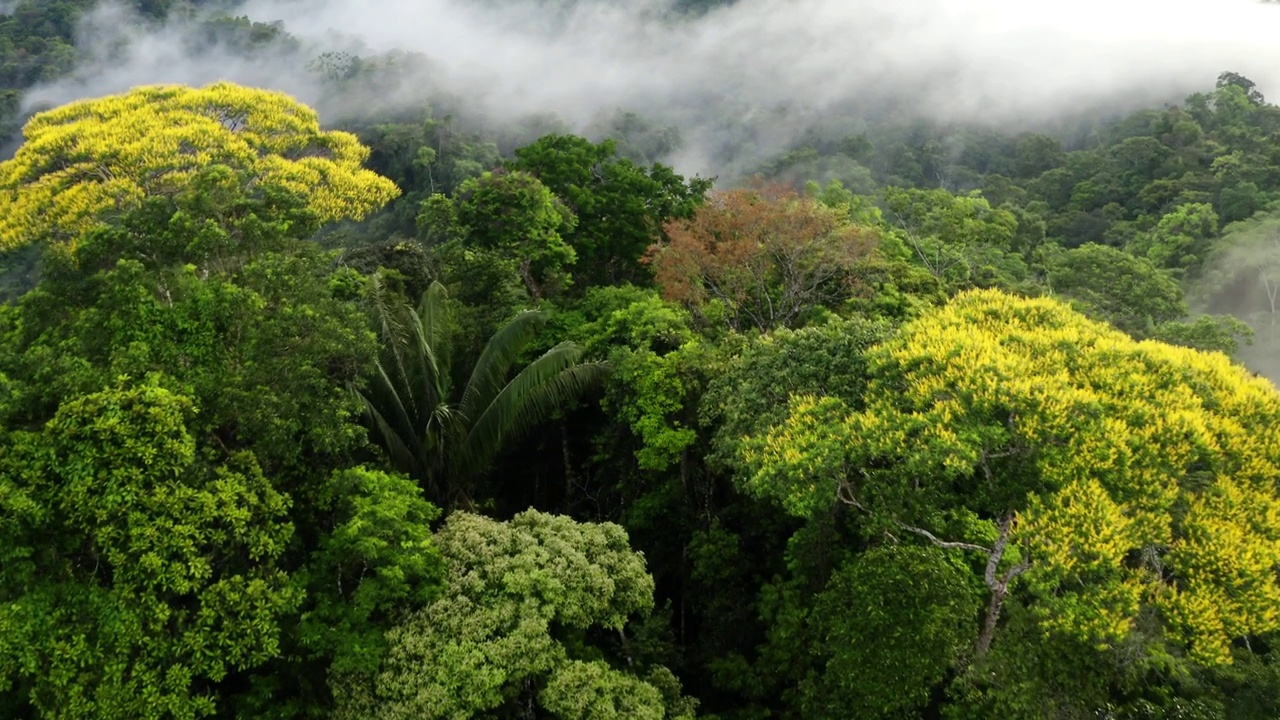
<point x="445" y="440"/>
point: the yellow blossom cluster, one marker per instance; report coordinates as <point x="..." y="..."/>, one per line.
<point x="82" y="163"/>
<point x="1138" y="474"/>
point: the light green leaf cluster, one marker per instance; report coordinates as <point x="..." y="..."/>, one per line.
<point x="378" y="559"/>
<point x="658" y="367"/>
<point x="960" y="239"/>
<point x="957" y="220"/>
<point x="658" y="389"/>
<point x="509" y="587"/>
<point x="162" y="578"/>
<point x="594" y="691"/>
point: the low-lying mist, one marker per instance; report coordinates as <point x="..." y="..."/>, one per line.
<point x="774" y="67"/>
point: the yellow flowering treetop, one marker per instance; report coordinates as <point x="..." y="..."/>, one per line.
<point x="82" y="163"/>
<point x="1103" y="475"/>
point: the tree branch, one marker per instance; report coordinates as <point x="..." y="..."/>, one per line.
<point x="996" y="553"/>
<point x="946" y="544"/>
<point x="847" y="497"/>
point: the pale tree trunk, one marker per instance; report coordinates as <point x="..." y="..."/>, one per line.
<point x="530" y="283"/>
<point x="997" y="583"/>
<point x="989" y="622"/>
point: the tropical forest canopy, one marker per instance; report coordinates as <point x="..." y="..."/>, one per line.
<point x="411" y="415"/>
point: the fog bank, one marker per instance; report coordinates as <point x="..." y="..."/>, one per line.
<point x="773" y="65"/>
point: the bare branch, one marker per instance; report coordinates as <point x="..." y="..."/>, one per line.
<point x="845" y="495"/>
<point x="1015" y="571"/>
<point x="946" y="544"/>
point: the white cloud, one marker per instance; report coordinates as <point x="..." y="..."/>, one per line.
<point x="991" y="60"/>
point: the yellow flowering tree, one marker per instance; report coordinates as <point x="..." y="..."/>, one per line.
<point x="1102" y="475"/>
<point x="84" y="163"/>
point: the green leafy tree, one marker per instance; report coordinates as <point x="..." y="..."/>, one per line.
<point x="655" y="395"/>
<point x="1220" y="333"/>
<point x="1116" y="287"/>
<point x="594" y="691"/>
<point x="1036" y="155"/>
<point x="506" y="633"/>
<point x="961" y="240"/>
<point x="620" y="206"/>
<point x="752" y="391"/>
<point x="37" y="43"/>
<point x="374" y="562"/>
<point x="1248" y="86"/>
<point x="512" y="220"/>
<point x="1133" y="164"/>
<point x="1240" y="201"/>
<point x="203" y="285"/>
<point x="433" y="155"/>
<point x="752" y="575"/>
<point x="1181" y="239"/>
<point x="140" y="573"/>
<point x="884" y="649"/>
<point x="267" y="355"/>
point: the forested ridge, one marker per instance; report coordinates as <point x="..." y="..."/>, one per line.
<point x="406" y="411"/>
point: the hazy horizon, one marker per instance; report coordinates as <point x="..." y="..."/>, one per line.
<point x="780" y="64"/>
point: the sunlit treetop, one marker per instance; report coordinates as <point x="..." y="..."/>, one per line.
<point x="1134" y="474"/>
<point x="86" y="162"/>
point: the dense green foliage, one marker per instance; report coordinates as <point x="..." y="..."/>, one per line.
<point x="511" y="588"/>
<point x="927" y="421"/>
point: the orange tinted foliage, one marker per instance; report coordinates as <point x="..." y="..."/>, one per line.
<point x="766" y="254"/>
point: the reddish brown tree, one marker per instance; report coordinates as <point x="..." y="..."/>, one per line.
<point x="764" y="255"/>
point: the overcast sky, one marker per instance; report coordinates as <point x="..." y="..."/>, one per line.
<point x="1009" y="61"/>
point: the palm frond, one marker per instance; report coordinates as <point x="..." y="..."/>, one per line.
<point x="404" y="457"/>
<point x="405" y="391"/>
<point x="557" y="394"/>
<point x="431" y="323"/>
<point x="386" y="309"/>
<point x="389" y="319"/>
<point x="407" y="398"/>
<point x="432" y="314"/>
<point x="411" y="341"/>
<point x="547" y="384"/>
<point x="491" y="369"/>
<point x="395" y="401"/>
<point x="429" y="374"/>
